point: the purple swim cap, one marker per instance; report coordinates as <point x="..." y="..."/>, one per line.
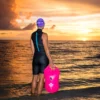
<point x="40" y="22"/>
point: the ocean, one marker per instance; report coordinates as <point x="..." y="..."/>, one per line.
<point x="79" y="63"/>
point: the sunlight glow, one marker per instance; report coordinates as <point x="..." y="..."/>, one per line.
<point x="18" y="21"/>
<point x="84" y="39"/>
<point x="85" y="31"/>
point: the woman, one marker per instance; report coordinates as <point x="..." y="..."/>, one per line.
<point x="41" y="56"/>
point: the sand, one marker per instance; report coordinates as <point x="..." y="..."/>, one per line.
<point x="92" y="93"/>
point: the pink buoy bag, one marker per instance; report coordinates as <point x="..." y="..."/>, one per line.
<point x="51" y="79"/>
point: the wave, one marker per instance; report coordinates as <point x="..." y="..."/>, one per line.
<point x="96" y="56"/>
<point x="56" y="51"/>
<point x="78" y="82"/>
<point x="15" y="85"/>
<point x="86" y="66"/>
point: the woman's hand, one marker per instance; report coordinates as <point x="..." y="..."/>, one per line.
<point x="51" y="65"/>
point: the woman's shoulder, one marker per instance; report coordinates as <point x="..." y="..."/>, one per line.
<point x="45" y="35"/>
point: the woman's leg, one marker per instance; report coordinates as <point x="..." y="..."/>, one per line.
<point x="34" y="83"/>
<point x="40" y="83"/>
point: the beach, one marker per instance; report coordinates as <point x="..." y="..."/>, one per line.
<point x="77" y="94"/>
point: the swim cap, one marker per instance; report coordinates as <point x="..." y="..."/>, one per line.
<point x="40" y="22"/>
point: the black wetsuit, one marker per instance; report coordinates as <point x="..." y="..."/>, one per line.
<point x="40" y="60"/>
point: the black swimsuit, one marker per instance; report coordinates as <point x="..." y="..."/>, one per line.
<point x="40" y="60"/>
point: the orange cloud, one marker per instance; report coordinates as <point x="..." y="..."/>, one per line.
<point x="89" y="2"/>
<point x="53" y="27"/>
<point x="58" y="7"/>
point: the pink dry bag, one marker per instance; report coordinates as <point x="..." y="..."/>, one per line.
<point x="51" y="79"/>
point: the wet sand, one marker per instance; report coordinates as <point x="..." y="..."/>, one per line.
<point x="92" y="93"/>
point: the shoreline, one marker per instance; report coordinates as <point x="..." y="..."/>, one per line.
<point x="92" y="93"/>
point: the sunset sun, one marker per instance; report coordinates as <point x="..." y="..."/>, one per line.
<point x="84" y="39"/>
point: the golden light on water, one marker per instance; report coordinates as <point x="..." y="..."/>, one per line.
<point x="84" y="39"/>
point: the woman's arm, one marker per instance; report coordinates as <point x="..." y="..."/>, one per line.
<point x="45" y="43"/>
<point x="32" y="46"/>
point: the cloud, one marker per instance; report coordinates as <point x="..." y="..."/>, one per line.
<point x="89" y="2"/>
<point x="6" y="13"/>
<point x="3" y="33"/>
<point x="58" y="7"/>
<point x="53" y="27"/>
<point x="30" y="27"/>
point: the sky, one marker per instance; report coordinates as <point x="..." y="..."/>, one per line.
<point x="65" y="19"/>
